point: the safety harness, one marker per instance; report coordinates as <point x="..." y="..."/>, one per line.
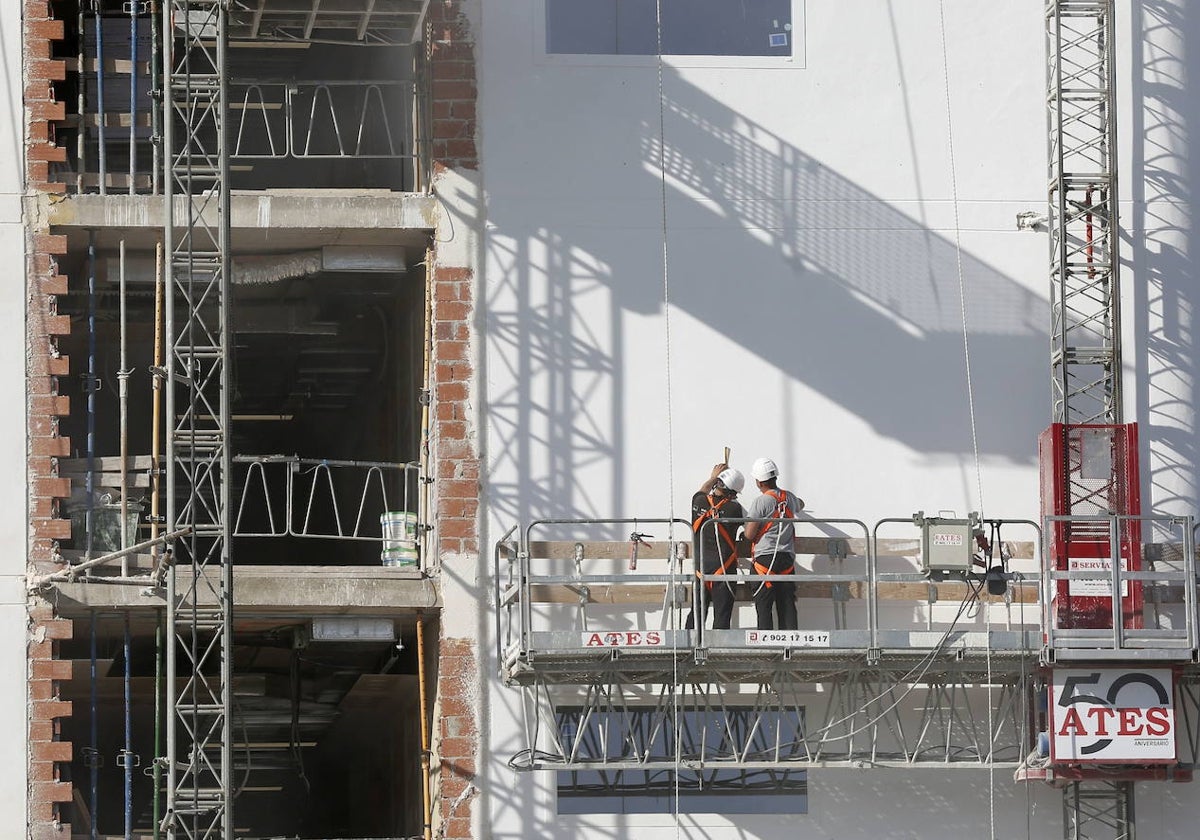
<point x="781" y="508"/>
<point x="713" y="512"/>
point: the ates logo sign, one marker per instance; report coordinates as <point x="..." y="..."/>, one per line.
<point x="1110" y="716"/>
<point x="625" y="638"/>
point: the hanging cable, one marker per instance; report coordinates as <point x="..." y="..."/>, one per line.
<point x="962" y="296"/>
<point x="662" y="174"/>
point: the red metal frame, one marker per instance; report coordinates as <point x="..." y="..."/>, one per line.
<point x="1071" y="485"/>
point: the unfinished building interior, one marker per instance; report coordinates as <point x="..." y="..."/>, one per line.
<point x="244" y="228"/>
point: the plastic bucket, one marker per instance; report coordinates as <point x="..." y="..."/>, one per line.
<point x="399" y="538"/>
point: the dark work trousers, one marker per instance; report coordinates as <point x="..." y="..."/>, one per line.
<point x="778" y="599"/>
<point x="720" y="596"/>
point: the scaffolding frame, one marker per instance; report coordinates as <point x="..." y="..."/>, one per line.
<point x="196" y="177"/>
<point x="1085" y="342"/>
<point x="1085" y="354"/>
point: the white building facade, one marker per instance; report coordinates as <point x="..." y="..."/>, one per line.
<point x="808" y="251"/>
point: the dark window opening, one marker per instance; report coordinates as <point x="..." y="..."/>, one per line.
<point x="608" y="739"/>
<point x="689" y="27"/>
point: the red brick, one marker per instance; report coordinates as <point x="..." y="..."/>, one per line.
<point x="51" y="751"/>
<point x="50" y="29"/>
<point x="41" y="690"/>
<point x="54" y="285"/>
<point x="442" y="110"/>
<point x="447" y="290"/>
<point x="457" y="508"/>
<point x="59" y="406"/>
<point x="451" y="391"/>
<point x="47" y="709"/>
<point x="41" y="730"/>
<point x="41" y="110"/>
<point x="53" y="71"/>
<point x="37" y="48"/>
<point x="38" y="170"/>
<point x="52" y="187"/>
<point x="452" y="310"/>
<point x="458" y="489"/>
<point x="37" y="9"/>
<point x="41" y="611"/>
<point x="52" y="529"/>
<point x="57" y="324"/>
<point x="459" y="149"/>
<point x="463" y="109"/>
<point x="450" y="331"/>
<point x="59" y="628"/>
<point x="457" y="828"/>
<point x="50" y="791"/>
<point x="59" y="488"/>
<point x="42" y="424"/>
<point x="56" y="447"/>
<point x="457" y="528"/>
<point x="51" y="669"/>
<point x="44" y="151"/>
<point x="452" y="351"/>
<point x="452" y="372"/>
<point x="41" y="812"/>
<point x="50" y="243"/>
<point x="43" y="771"/>
<point x="446" y="89"/>
<point x="451" y="430"/>
<point x="39" y="132"/>
<point x="451" y="272"/>
<point x="51" y="829"/>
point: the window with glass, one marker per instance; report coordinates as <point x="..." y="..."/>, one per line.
<point x="689" y="27"/>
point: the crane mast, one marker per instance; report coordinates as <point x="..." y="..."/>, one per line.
<point x="1085" y="338"/>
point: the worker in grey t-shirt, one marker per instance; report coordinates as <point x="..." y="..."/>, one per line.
<point x="774" y="547"/>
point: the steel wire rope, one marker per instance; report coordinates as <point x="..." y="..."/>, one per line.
<point x="662" y="176"/>
<point x="962" y="297"/>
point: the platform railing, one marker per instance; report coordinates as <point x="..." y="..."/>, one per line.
<point x="1131" y="613"/>
<point x="576" y="597"/>
<point x="307" y="498"/>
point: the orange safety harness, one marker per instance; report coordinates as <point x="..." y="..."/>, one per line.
<point x="781" y="508"/>
<point x="712" y="513"/>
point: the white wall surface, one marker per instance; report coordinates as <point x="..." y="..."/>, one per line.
<point x="13" y="531"/>
<point x="829" y="229"/>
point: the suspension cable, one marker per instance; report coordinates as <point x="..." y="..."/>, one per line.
<point x="962" y="296"/>
<point x="662" y="175"/>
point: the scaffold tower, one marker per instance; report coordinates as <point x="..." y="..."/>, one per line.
<point x="1085" y="352"/>
<point x="199" y="592"/>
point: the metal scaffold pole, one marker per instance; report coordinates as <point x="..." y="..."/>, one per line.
<point x="1085" y="338"/>
<point x="196" y="242"/>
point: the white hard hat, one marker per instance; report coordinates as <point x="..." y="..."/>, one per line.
<point x="764" y="469"/>
<point x="732" y="479"/>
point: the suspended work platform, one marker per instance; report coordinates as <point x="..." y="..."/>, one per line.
<point x="893" y="663"/>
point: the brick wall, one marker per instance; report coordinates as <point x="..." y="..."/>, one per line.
<point x="458" y="736"/>
<point x="44" y="284"/>
<point x="451" y="55"/>
<point x="452" y="80"/>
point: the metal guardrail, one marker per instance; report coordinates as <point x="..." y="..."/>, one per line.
<point x="288" y="496"/>
<point x="360" y="119"/>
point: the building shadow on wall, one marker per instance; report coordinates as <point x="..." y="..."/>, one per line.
<point x="834" y="287"/>
<point x="1162" y="239"/>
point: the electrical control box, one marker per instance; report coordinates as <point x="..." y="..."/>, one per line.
<point x="947" y="543"/>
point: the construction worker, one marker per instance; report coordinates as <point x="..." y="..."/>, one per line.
<point x="774" y="547"/>
<point x="715" y="543"/>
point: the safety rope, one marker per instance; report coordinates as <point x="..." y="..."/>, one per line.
<point x="962" y="297"/>
<point x="662" y="175"/>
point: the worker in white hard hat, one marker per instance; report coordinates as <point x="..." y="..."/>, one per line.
<point x="715" y="544"/>
<point x="773" y="538"/>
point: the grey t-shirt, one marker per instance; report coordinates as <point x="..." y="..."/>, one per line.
<point x="776" y="535"/>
